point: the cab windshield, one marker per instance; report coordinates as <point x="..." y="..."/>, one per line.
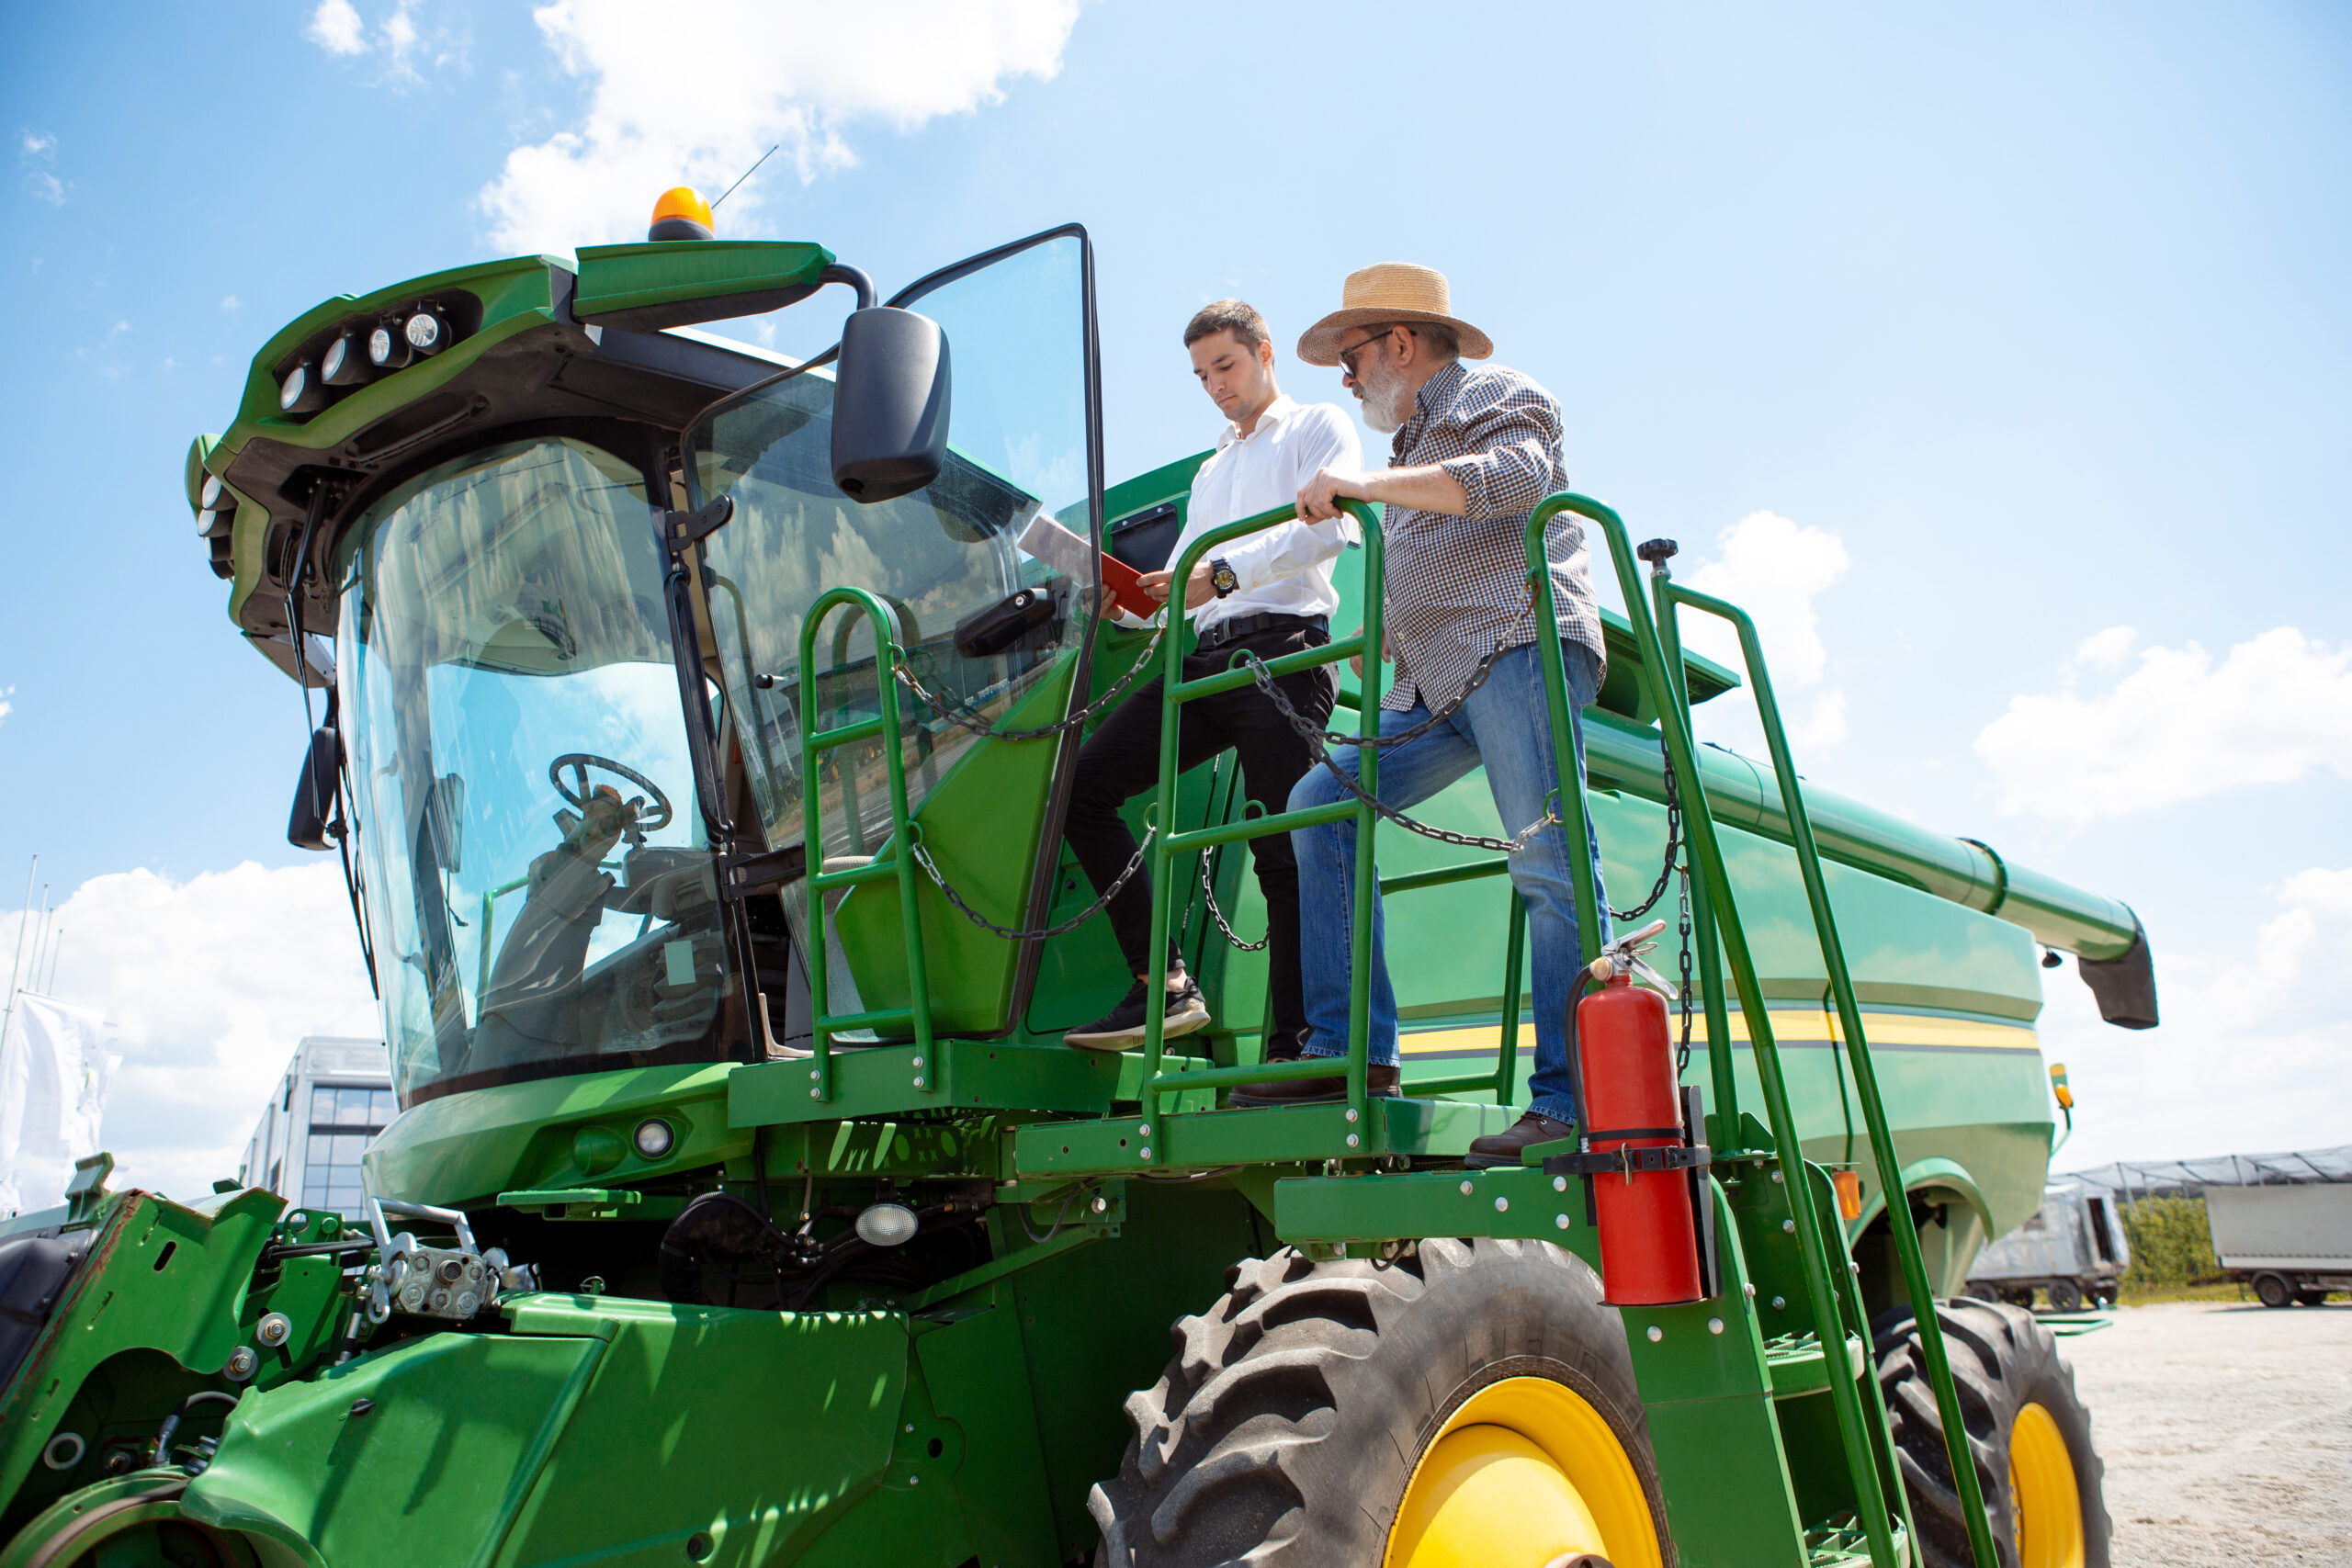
<point x="539" y="887"/>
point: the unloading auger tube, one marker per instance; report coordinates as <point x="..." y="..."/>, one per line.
<point x="2102" y="932"/>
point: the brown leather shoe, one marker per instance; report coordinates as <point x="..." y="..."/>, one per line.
<point x="1316" y="1091"/>
<point x="1504" y="1147"/>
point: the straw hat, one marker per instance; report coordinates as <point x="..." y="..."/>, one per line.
<point x="1390" y="292"/>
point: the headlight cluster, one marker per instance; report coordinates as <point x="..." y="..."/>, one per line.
<point x="361" y="352"/>
<point x="216" y="517"/>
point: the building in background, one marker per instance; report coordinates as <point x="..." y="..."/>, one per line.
<point x="336" y="1095"/>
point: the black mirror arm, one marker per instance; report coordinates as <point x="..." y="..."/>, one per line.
<point x="841" y="271"/>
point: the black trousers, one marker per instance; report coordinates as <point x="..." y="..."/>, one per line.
<point x="1121" y="760"/>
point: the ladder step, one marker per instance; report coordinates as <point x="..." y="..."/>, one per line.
<point x="1838" y="1542"/>
<point x="1798" y="1367"/>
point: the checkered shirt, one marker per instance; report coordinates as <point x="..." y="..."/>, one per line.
<point x="1457" y="585"/>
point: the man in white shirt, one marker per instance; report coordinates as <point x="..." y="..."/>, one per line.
<point x="1270" y="593"/>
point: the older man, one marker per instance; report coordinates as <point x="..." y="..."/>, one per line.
<point x="1473" y="451"/>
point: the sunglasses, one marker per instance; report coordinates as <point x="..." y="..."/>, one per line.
<point x="1347" y="354"/>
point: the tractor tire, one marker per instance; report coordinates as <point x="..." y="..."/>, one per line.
<point x="2273" y="1290"/>
<point x="2065" y="1296"/>
<point x="2027" y="1430"/>
<point x="1291" y="1430"/>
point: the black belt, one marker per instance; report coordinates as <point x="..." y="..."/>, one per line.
<point x="1271" y="620"/>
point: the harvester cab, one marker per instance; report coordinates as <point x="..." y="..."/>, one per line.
<point x="698" y="726"/>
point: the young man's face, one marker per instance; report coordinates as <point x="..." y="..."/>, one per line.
<point x="1239" y="380"/>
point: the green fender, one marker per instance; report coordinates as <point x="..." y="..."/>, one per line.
<point x="1921" y="1175"/>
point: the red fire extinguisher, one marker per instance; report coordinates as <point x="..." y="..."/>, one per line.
<point x="1649" y="1242"/>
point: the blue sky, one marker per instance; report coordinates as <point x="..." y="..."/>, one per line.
<point x="1999" y="357"/>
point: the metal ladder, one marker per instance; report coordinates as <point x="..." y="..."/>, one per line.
<point x="1863" y="1431"/>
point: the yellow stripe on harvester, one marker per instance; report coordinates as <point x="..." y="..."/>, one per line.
<point x="1791" y="1026"/>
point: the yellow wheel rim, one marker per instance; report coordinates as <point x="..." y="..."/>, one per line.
<point x="1526" y="1472"/>
<point x="2049" y="1506"/>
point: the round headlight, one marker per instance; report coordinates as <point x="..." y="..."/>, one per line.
<point x="215" y="487"/>
<point x="387" y="348"/>
<point x="653" y="1138"/>
<point x="344" y="364"/>
<point x="426" y="333"/>
<point x="887" y="1225"/>
<point x="301" y="392"/>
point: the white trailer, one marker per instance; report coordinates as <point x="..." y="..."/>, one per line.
<point x="2294" y="1242"/>
<point x="2073" y="1246"/>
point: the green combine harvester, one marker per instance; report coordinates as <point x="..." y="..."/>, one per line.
<point x="745" y="1205"/>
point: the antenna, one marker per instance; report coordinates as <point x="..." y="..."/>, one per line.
<point x="746" y="175"/>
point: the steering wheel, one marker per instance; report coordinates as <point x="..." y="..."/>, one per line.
<point x="577" y="795"/>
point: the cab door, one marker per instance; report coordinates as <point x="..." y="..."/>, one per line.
<point x="997" y="638"/>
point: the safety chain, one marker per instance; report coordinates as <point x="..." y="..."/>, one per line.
<point x="1314" y="735"/>
<point x="1673" y="842"/>
<point x="922" y="859"/>
<point x="1486" y="667"/>
<point x="1682" y="930"/>
<point x="1119" y="688"/>
<point x="1217" y="915"/>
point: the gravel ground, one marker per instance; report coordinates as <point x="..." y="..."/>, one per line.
<point x="2227" y="1432"/>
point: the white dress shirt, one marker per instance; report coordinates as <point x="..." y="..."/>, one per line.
<point x="1285" y="569"/>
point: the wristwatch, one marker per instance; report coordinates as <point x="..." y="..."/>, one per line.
<point x="1221" y="576"/>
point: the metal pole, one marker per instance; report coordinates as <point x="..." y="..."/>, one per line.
<point x="55" y="943"/>
<point x="40" y="937"/>
<point x="9" y="1015"/>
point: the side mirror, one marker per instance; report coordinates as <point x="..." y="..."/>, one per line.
<point x="314" y="793"/>
<point x="890" y="396"/>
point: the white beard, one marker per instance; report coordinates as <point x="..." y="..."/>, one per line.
<point x="1385" y="407"/>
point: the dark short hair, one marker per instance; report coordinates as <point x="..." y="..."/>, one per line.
<point x="1235" y="316"/>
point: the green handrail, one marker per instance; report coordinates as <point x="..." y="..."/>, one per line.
<point x="1699" y="822"/>
<point x="1858" y="1056"/>
<point x="1175" y="691"/>
<point x="1709" y="965"/>
<point x="900" y="860"/>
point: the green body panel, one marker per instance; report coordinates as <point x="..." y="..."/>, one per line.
<point x="464" y="1149"/>
<point x="165" y="1293"/>
<point x="985" y="849"/>
<point x="695" y="1398"/>
<point x="615" y="281"/>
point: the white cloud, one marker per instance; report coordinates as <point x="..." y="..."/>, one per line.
<point x="2252" y="1053"/>
<point x="208" y="984"/>
<point x="798" y="73"/>
<point x="336" y="26"/>
<point x="229" y="302"/>
<point x="2176" y="726"/>
<point x="36" y="158"/>
<point x="1774" y="570"/>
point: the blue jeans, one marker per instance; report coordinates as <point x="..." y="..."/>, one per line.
<point x="1502" y="729"/>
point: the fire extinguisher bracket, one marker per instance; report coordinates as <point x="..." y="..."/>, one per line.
<point x="1630" y="1161"/>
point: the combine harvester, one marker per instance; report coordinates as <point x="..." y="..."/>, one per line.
<point x="745" y="1205"/>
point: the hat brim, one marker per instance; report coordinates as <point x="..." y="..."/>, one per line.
<point x="1320" y="345"/>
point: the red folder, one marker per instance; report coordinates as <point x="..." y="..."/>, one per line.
<point x="1124" y="584"/>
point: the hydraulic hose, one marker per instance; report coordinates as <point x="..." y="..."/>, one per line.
<point x="172" y="1422"/>
<point x="715" y="1224"/>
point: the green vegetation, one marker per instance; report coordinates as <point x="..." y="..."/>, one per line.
<point x="2172" y="1246"/>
